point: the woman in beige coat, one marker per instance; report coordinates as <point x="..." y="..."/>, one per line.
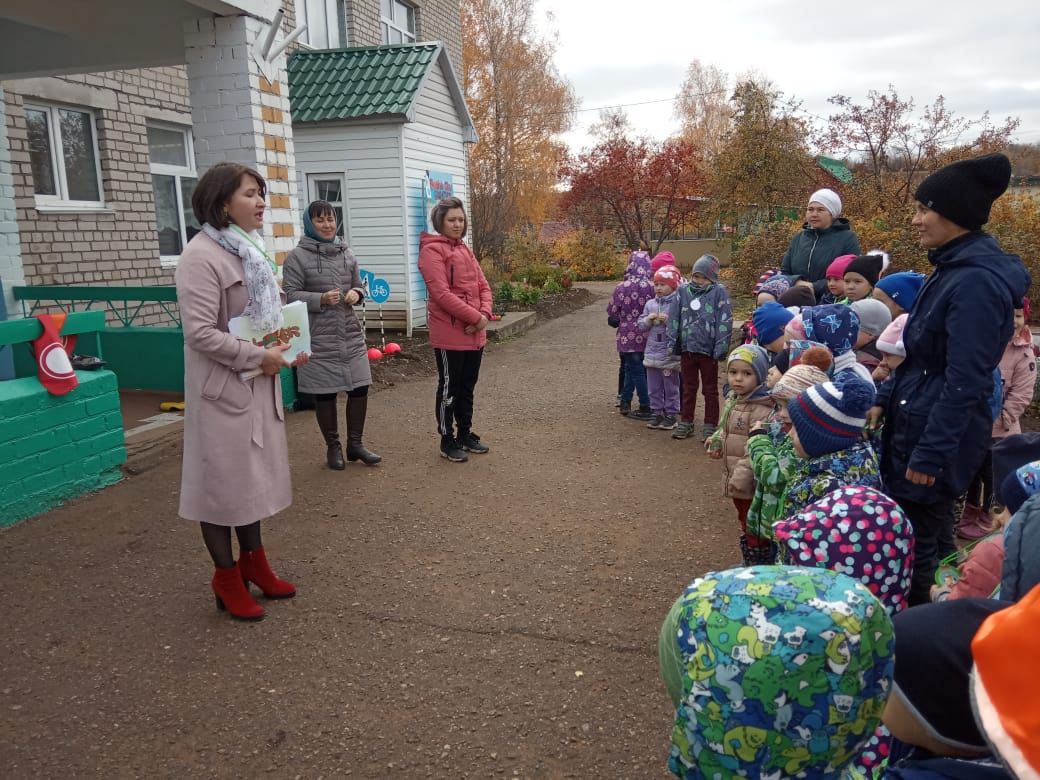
<point x="236" y="464"/>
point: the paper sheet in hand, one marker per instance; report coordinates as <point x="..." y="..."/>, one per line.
<point x="296" y="330"/>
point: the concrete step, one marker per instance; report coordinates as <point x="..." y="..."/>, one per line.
<point x="513" y="323"/>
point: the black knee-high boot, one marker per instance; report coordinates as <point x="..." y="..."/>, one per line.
<point x="325" y="412"/>
<point x="357" y="410"/>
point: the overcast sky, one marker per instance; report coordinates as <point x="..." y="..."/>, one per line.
<point x="979" y="55"/>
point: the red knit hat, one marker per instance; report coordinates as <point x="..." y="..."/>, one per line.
<point x="661" y="259"/>
<point x="669" y="275"/>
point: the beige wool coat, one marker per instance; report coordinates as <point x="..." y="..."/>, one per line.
<point x="236" y="461"/>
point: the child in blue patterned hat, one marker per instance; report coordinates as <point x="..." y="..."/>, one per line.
<point x="775" y="672"/>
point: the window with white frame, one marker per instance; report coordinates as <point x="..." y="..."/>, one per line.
<point x="172" y="163"/>
<point x="398" y="22"/>
<point x="63" y="155"/>
<point x="322" y="18"/>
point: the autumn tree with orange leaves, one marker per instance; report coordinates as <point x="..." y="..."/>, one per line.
<point x="520" y="106"/>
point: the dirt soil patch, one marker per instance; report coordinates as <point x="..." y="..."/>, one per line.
<point x="496" y="618"/>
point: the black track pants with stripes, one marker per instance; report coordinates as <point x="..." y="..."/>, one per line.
<point x="457" y="373"/>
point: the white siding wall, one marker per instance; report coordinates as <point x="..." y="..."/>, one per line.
<point x="432" y="142"/>
<point x="369" y="156"/>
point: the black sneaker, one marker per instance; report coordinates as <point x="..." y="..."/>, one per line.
<point x="642" y="413"/>
<point x="666" y="423"/>
<point x="471" y="443"/>
<point x="625" y="407"/>
<point x="451" y="450"/>
<point x="656" y="422"/>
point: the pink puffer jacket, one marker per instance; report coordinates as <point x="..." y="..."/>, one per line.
<point x="458" y="294"/>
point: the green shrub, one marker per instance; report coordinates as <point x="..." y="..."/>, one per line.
<point x="505" y="294"/>
<point x="527" y="295"/>
<point x="552" y="287"/>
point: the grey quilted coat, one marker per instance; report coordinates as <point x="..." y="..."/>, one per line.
<point x="339" y="357"/>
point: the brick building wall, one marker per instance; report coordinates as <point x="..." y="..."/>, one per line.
<point x="117" y="245"/>
<point x="436" y="20"/>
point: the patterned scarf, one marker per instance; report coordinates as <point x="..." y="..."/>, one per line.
<point x="265" y="301"/>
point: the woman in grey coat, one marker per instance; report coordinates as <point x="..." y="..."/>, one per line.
<point x="323" y="273"/>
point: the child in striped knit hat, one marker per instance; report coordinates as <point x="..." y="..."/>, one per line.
<point x="771" y="454"/>
<point x="827" y="423"/>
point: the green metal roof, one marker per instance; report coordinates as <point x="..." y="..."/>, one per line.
<point x="835" y="168"/>
<point x="357" y="83"/>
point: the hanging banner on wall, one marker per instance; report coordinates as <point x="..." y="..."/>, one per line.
<point x="436" y="185"/>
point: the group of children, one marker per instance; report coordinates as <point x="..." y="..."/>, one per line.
<point x="801" y="466"/>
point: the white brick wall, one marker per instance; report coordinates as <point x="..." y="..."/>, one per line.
<point x="237" y="113"/>
<point x="10" y="251"/>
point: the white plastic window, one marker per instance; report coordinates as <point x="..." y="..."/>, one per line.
<point x="63" y="155"/>
<point x="174" y="177"/>
<point x="398" y="21"/>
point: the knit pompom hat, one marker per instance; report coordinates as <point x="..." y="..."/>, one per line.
<point x="834" y="325"/>
<point x="707" y="265"/>
<point x="1006" y="651"/>
<point x="661" y="259"/>
<point x="836" y="270"/>
<point x="669" y="275"/>
<point x="831" y="416"/>
<point x="769" y="320"/>
<point x="873" y="315"/>
<point x="891" y="338"/>
<point x="815" y="355"/>
<point x="867" y="266"/>
<point x="964" y="191"/>
<point x="829" y="200"/>
<point x="902" y="288"/>
<point x="796" y="381"/>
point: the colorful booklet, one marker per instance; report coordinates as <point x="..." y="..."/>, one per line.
<point x="295" y="330"/>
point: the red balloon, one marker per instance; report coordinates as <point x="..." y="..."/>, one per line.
<point x="374" y="354"/>
<point x="393" y="348"/>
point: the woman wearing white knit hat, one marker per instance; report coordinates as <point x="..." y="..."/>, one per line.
<point x="824" y="236"/>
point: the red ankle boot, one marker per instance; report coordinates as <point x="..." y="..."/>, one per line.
<point x="256" y="570"/>
<point x="233" y="595"/>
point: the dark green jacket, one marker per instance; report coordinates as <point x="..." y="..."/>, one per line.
<point x="811" y="251"/>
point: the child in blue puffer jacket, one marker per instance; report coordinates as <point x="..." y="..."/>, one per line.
<point x="662" y="364"/>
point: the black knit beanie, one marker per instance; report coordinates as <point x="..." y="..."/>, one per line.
<point x="867" y="266"/>
<point x="964" y="191"/>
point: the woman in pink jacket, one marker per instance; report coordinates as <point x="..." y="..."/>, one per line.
<point x="458" y="309"/>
